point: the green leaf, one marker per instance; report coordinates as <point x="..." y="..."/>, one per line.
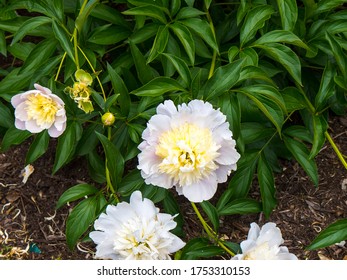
<point x="327" y="6"/>
<point x="114" y="159"/>
<point x="320" y="126"/>
<point x="158" y="86"/>
<point x="334" y="233"/>
<point x="293" y="99"/>
<point x="186" y="38"/>
<point x="230" y="106"/>
<point x="149" y="11"/>
<point x="181" y="67"/>
<point x="285" y="56"/>
<point x="254" y="20"/>
<point x="224" y="78"/>
<point x="203" y="29"/>
<point x="74" y="193"/>
<point x="38" y="147"/>
<point x="144" y="33"/>
<point x="3" y="45"/>
<point x="268" y="106"/>
<point x="256" y="73"/>
<point x="188" y="12"/>
<point x="108" y="34"/>
<point x="267" y="186"/>
<point x="301" y="154"/>
<point x="339" y="54"/>
<point x="81" y="218"/>
<point x="211" y="213"/>
<point x="240" y="206"/>
<point x="6" y="119"/>
<point x="39" y="55"/>
<point x="299" y="132"/>
<point x="131" y="182"/>
<point x="119" y="87"/>
<point x="159" y="44"/>
<point x="175" y="7"/>
<point x="232" y="53"/>
<point x="64" y="39"/>
<point x="14" y="82"/>
<point x="88" y="140"/>
<point x="250" y="57"/>
<point x="105" y="12"/>
<point x="289" y="13"/>
<point x="241" y="180"/>
<point x="28" y="26"/>
<point x="13" y="136"/>
<point x="254" y="131"/>
<point x="144" y="72"/>
<point x="96" y="167"/>
<point x="200" y="248"/>
<point x="82" y="17"/>
<point x="21" y="50"/>
<point x="280" y="36"/>
<point x="66" y="145"/>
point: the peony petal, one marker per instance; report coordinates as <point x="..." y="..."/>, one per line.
<point x="167" y="108"/>
<point x="202" y="190"/>
<point x="227" y="153"/>
<point x="43" y="89"/>
<point x="19" y="124"/>
<point x="32" y="126"/>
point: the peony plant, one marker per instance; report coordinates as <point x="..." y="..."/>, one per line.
<point x="205" y="97"/>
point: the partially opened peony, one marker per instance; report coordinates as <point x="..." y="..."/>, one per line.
<point x="264" y="244"/>
<point x="39" y="109"/>
<point x="135" y="231"/>
<point x="189" y="147"/>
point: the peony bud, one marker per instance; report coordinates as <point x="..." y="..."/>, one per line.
<point x="108" y="119"/>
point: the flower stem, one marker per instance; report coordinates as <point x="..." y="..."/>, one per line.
<point x="107" y="171"/>
<point x="336" y="149"/>
<point x="210" y="232"/>
<point x="214" y="56"/>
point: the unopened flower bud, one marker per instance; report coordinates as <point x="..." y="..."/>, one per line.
<point x="108" y="119"/>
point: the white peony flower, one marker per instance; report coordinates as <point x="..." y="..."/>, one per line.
<point x="39" y="109"/>
<point x="135" y="231"/>
<point x="264" y="244"/>
<point x="190" y="147"/>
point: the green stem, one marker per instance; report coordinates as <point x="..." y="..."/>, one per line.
<point x="210" y="232"/>
<point x="107" y="172"/>
<point x="214" y="56"/>
<point x="76" y="48"/>
<point x="60" y="66"/>
<point x="336" y="149"/>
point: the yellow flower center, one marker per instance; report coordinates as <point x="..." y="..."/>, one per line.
<point x="42" y="109"/>
<point x="188" y="153"/>
<point x="261" y="252"/>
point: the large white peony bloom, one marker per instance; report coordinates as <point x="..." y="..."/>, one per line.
<point x="264" y="244"/>
<point x="190" y="147"/>
<point x="39" y="109"/>
<point x="135" y="231"/>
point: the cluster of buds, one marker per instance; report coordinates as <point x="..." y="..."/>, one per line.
<point x="80" y="92"/>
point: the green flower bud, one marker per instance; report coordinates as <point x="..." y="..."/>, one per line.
<point x="108" y="119"/>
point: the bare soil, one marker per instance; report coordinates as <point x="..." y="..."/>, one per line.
<point x="31" y="228"/>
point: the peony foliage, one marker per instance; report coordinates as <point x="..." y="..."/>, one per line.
<point x="207" y="97"/>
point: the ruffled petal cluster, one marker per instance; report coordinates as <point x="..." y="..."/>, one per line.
<point x="189" y="147"/>
<point x="264" y="244"/>
<point x="39" y="109"/>
<point x="135" y="231"/>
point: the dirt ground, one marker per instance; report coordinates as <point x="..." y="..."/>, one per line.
<point x="30" y="228"/>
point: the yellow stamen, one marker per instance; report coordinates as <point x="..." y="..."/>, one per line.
<point x="188" y="153"/>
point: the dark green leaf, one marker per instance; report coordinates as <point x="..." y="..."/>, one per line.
<point x="250" y="57"/>
<point x="188" y="12"/>
<point x="157" y="87"/>
<point x="320" y="126"/>
<point x="293" y="99"/>
<point x="254" y="20"/>
<point x="108" y="34"/>
<point x="334" y="233"/>
<point x="66" y="145"/>
<point x="327" y="6"/>
<point x="240" y="206"/>
<point x="3" y="47"/>
<point x="80" y="219"/>
<point x="74" y="193"/>
<point x="96" y="167"/>
<point x="203" y="29"/>
<point x="285" y="56"/>
<point x="119" y="87"/>
<point x="28" y="26"/>
<point x="301" y="154"/>
<point x="144" y="33"/>
<point x="289" y="13"/>
<point x="83" y="15"/>
<point x="267" y="186"/>
<point x="175" y="7"/>
<point x="114" y="159"/>
<point x="130" y="183"/>
<point x="339" y="54"/>
<point x="13" y="136"/>
<point x="38" y="147"/>
<point x="64" y="39"/>
<point x="252" y="132"/>
<point x="148" y="10"/>
<point x="159" y="44"/>
<point x="6" y="119"/>
<point x="223" y="79"/>
<point x="181" y="67"/>
<point x="253" y="72"/>
<point x="88" y="140"/>
<point x="186" y="38"/>
<point x="299" y="132"/>
<point x="39" y="55"/>
<point x="104" y="12"/>
<point x="14" y="82"/>
<point x="211" y="213"/>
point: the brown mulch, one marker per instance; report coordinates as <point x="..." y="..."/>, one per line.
<point x="28" y="220"/>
